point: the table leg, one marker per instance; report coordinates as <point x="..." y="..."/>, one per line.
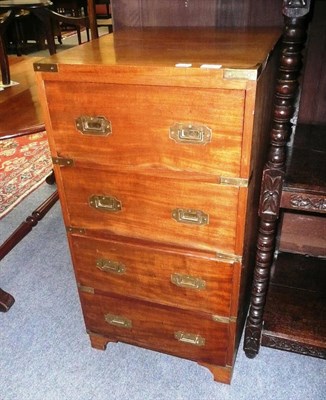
<point x="44" y="15"/>
<point x="92" y="18"/>
<point x="5" y="72"/>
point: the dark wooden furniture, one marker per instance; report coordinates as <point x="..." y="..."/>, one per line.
<point x="46" y="13"/>
<point x="39" y="8"/>
<point x="21" y="103"/>
<point x="288" y="302"/>
<point x="103" y="14"/>
<point x="196" y="13"/>
<point x="294" y="315"/>
<point x="160" y="196"/>
<point x="71" y="9"/>
<point x="43" y="10"/>
<point x="5" y="19"/>
<point x="91" y="13"/>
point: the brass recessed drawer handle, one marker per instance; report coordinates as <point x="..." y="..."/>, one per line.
<point x="105" y="203"/>
<point x="110" y="266"/>
<point x="188" y="282"/>
<point x="118" y="320"/>
<point x="188" y="133"/>
<point x="190" y="338"/>
<point x="195" y="217"/>
<point x="98" y="126"/>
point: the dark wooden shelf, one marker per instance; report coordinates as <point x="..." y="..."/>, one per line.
<point x="288" y="311"/>
<point x="305" y="181"/>
<point x="306" y="166"/>
<point x="295" y="311"/>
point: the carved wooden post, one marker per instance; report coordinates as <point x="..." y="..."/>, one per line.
<point x="295" y="12"/>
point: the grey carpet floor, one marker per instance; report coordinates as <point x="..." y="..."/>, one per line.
<point x="45" y="353"/>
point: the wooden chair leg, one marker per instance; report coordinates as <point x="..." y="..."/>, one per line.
<point x="26" y="226"/>
<point x="78" y="34"/>
<point x="6" y="299"/>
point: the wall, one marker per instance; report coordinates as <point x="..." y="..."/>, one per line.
<point x="223" y="13"/>
<point x="313" y="99"/>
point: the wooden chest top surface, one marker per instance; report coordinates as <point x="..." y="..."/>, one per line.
<point x="168" y="47"/>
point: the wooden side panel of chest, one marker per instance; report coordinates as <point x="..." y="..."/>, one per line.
<point x="158" y="183"/>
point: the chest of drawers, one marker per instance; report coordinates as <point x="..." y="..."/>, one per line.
<point x="157" y="138"/>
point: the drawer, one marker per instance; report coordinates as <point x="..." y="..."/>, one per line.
<point x="175" y="211"/>
<point x="188" y="280"/>
<point x="141" y="118"/>
<point x="177" y="332"/>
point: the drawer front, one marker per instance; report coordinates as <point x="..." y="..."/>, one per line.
<point x="183" y="280"/>
<point x="186" y="129"/>
<point x="180" y="212"/>
<point x="165" y="329"/>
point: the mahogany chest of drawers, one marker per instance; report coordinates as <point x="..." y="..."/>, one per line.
<point x="157" y="138"/>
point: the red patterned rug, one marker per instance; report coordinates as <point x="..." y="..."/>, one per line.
<point x="25" y="162"/>
<point x="69" y="32"/>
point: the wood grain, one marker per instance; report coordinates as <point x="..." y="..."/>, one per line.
<point x="217" y="13"/>
<point x="313" y="102"/>
<point x="140" y="136"/>
<point x="163" y="47"/>
<point x="148" y="271"/>
<point x="147" y="205"/>
<point x="154" y="327"/>
<point x="298" y="284"/>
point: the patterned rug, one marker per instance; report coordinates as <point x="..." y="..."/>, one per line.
<point x="25" y="162"/>
<point x="69" y="32"/>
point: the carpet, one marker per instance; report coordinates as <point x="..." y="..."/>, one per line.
<point x="68" y="32"/>
<point x="25" y="162"/>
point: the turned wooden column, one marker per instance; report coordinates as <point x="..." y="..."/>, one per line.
<point x="294" y="35"/>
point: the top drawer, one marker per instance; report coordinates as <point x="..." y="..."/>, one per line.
<point x="176" y="128"/>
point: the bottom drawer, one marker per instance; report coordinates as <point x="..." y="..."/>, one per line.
<point x="165" y="329"/>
